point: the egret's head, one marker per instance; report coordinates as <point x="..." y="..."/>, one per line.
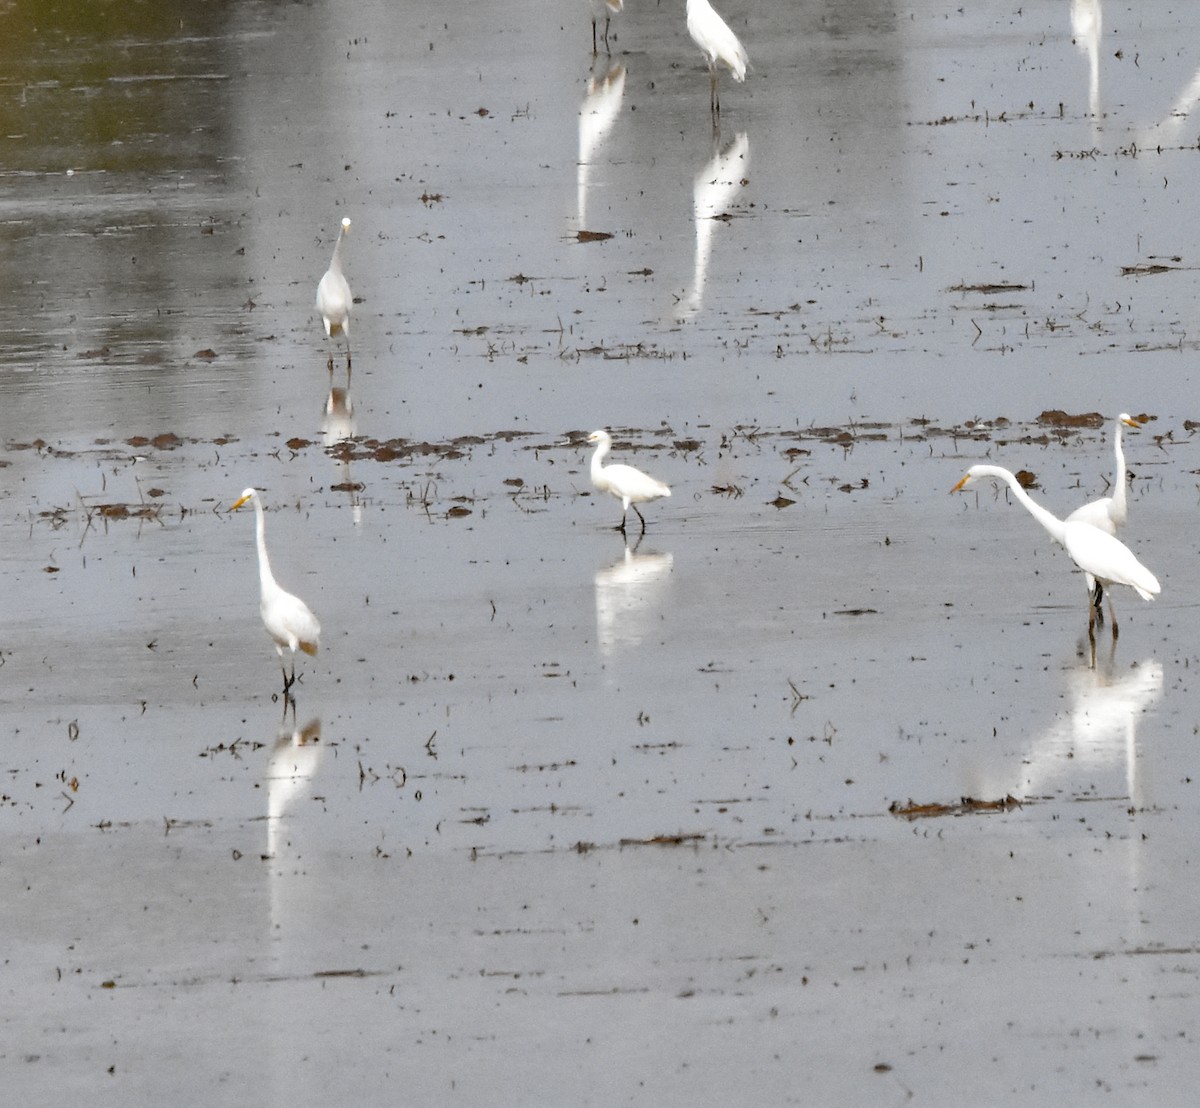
<point x="345" y="223"/>
<point x="968" y="477"/>
<point x="1128" y="420"/>
<point x="599" y="436"/>
<point x="247" y="494"/>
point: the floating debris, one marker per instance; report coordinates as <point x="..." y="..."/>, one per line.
<point x="1056" y="417"/>
<point x="966" y="806"/>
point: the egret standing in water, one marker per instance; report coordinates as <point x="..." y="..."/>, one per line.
<point x="334" y="299"/>
<point x="1109" y="512"/>
<point x="288" y="620"/>
<point x="1104" y="559"/>
<point x="607" y="9"/>
<point x="628" y="485"/>
<point x="719" y="45"/>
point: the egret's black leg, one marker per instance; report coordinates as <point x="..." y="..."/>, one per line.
<point x="641" y="517"/>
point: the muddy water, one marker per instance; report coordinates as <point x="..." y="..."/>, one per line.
<point x="558" y="819"/>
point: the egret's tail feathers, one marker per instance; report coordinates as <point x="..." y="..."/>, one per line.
<point x="1147" y="587"/>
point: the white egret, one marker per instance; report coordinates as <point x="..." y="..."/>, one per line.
<point x="334" y="300"/>
<point x="1109" y="512"/>
<point x="1105" y="559"/>
<point x="288" y="620"/>
<point x="628" y="485"/>
<point x="607" y="9"/>
<point x="719" y="45"/>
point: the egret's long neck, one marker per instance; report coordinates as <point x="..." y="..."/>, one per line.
<point x="1054" y="526"/>
<point x="266" y="579"/>
<point x="335" y="263"/>
<point x="598" y="458"/>
<point x="1118" y="496"/>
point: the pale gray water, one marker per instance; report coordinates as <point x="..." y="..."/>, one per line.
<point x="582" y="826"/>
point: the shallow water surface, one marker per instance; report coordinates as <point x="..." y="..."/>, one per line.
<point x="818" y="787"/>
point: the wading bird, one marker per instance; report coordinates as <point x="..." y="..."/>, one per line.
<point x="607" y="9"/>
<point x="334" y="300"/>
<point x="288" y="620"/>
<point x="719" y="45"/>
<point x="628" y="485"/>
<point x="1104" y="559"/>
<point x="1109" y="512"/>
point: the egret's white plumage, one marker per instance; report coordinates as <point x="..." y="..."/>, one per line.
<point x="628" y="485"/>
<point x="603" y="9"/>
<point x="1108" y="512"/>
<point x="334" y="300"/>
<point x="1105" y="559"/>
<point x="288" y="620"/>
<point x="719" y="45"/>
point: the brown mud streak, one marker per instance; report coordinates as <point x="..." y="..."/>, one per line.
<point x="966" y="806"/>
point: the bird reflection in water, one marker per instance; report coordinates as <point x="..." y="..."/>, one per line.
<point x="714" y="188"/>
<point x="1086" y="24"/>
<point x="627" y="595"/>
<point x="599" y="110"/>
<point x="291" y="768"/>
<point x="338" y="428"/>
<point x="1169" y="131"/>
<point x="1097" y="730"/>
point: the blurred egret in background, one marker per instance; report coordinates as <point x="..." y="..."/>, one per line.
<point x="334" y="300"/>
